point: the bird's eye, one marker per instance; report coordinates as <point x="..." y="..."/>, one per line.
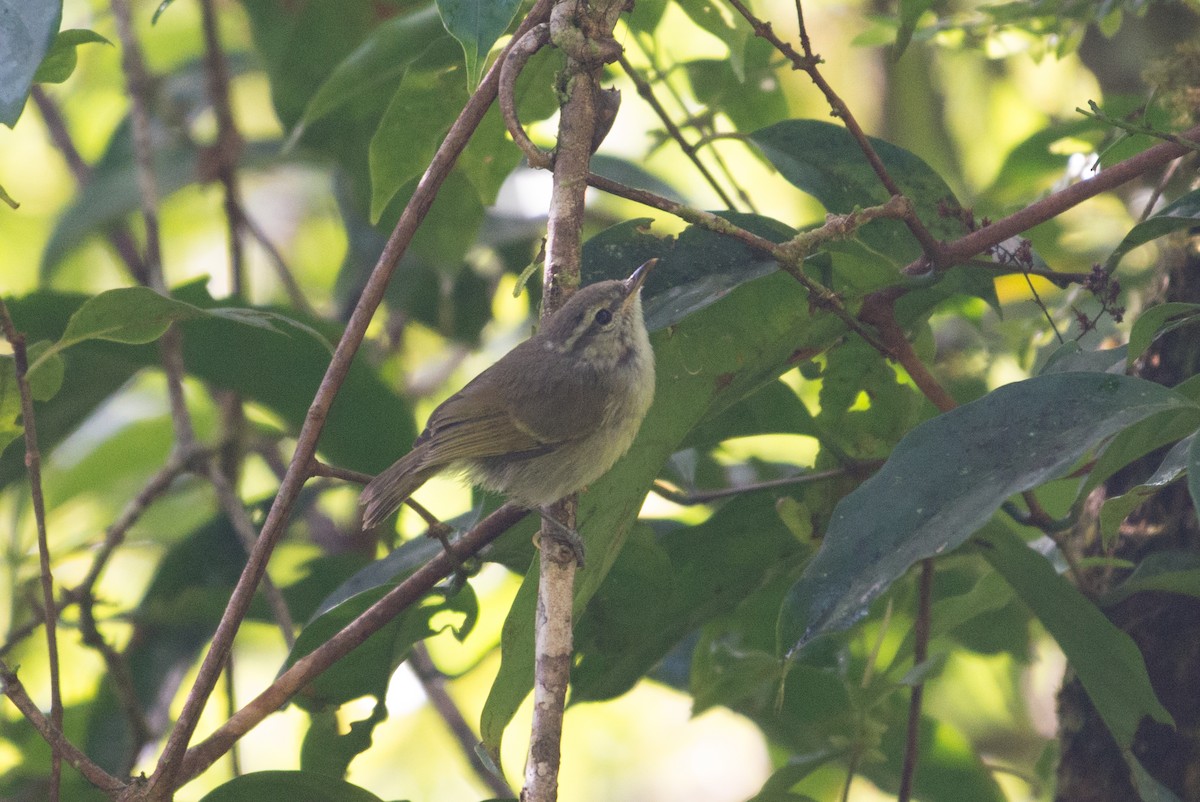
<point x="603" y="317"/>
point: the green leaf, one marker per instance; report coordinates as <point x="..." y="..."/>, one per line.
<point x="705" y="363"/>
<point x="1182" y="213"/>
<point x="1105" y="659"/>
<point x="946" y="478"/>
<point x="1163" y="571"/>
<point x="910" y="13"/>
<point x="1117" y="508"/>
<point x="477" y="24"/>
<point x="60" y="62"/>
<point x="752" y="99"/>
<point x="27" y="30"/>
<point x="824" y="160"/>
<point x="131" y="315"/>
<point x="45" y="380"/>
<point x="1159" y="320"/>
<point x="8" y="200"/>
<point x="719" y="20"/>
<point x="796" y="769"/>
<point x="375" y="66"/>
<point x="294" y="786"/>
<point x="429" y="99"/>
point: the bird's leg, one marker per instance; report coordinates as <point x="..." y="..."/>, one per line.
<point x="561" y="533"/>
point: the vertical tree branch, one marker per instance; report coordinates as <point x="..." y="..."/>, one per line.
<point x="584" y="33"/>
<point x="33" y="463"/>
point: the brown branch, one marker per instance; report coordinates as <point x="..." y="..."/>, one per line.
<point x="227" y="148"/>
<point x="53" y="735"/>
<point x="118" y="671"/>
<point x="378" y="615"/>
<point x="118" y="235"/>
<point x="518" y="56"/>
<point x="646" y="92"/>
<point x="163" y="780"/>
<point x="433" y="682"/>
<point x="677" y="496"/>
<point x="1051" y="206"/>
<point x="921" y="630"/>
<point x="33" y="464"/>
<point x="284" y="273"/>
<point x="808" y="64"/>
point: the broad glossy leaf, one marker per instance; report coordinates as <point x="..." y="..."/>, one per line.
<point x="294" y="786"/>
<point x="1105" y="659"/>
<point x="948" y="476"/>
<point x="1182" y="213"/>
<point x="130" y="315"/>
<point x="477" y="24"/>
<point x="27" y="30"/>
<point x="824" y="160"/>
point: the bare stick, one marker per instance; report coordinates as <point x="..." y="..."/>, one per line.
<point x="646" y="92"/>
<point x="53" y="735"/>
<point x="433" y="682"/>
<point x="378" y="615"/>
<point x="163" y="780"/>
<point x="518" y="56"/>
<point x="921" y="629"/>
<point x="33" y="464"/>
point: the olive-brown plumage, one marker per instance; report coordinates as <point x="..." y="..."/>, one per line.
<point x="550" y="417"/>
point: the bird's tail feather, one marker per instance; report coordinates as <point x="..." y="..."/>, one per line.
<point x="384" y="494"/>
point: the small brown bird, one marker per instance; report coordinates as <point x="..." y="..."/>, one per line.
<point x="550" y="417"/>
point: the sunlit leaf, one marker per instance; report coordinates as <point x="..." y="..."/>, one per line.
<point x="61" y="60"/>
<point x="477" y="24"/>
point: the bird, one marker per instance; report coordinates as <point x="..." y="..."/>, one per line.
<point x="549" y="417"/>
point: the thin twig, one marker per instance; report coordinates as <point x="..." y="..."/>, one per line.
<point x="226" y="149"/>
<point x="33" y="465"/>
<point x="921" y="630"/>
<point x="284" y="273"/>
<point x="118" y="235"/>
<point x="677" y="496"/>
<point x="378" y="615"/>
<point x="646" y="92"/>
<point x="433" y="682"/>
<point x="231" y="505"/>
<point x="514" y="61"/>
<point x="118" y="671"/>
<point x="164" y="778"/>
<point x="1159" y="188"/>
<point x="808" y="64"/>
<point x="53" y="735"/>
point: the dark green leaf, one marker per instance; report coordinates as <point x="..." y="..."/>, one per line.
<point x="824" y="160"/>
<point x="375" y="66"/>
<point x="1159" y="320"/>
<point x="476" y="24"/>
<point x="1105" y="659"/>
<point x="797" y="768"/>
<point x="26" y="29"/>
<point x="1165" y="571"/>
<point x="1117" y="508"/>
<point x="946" y="478"/>
<point x="294" y="786"/>
<point x="1182" y="213"/>
<point x="329" y="751"/>
<point x="430" y="97"/>
<point x="61" y="60"/>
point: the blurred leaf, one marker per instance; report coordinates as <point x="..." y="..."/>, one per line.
<point x="777" y="787"/>
<point x="375" y="67"/>
<point x="1071" y="357"/>
<point x="429" y="98"/>
<point x="294" y="786"/>
<point x="47" y="379"/>
<point x="774" y="409"/>
<point x="1105" y="659"/>
<point x="329" y="751"/>
<point x="723" y="23"/>
<point x="8" y="200"/>
<point x="946" y="478"/>
<point x="111" y="194"/>
<point x="950" y="769"/>
<point x="1182" y="213"/>
<point x="705" y="363"/>
<point x="1158" y="320"/>
<point x="477" y="24"/>
<point x="824" y="160"/>
<point x="60" y="62"/>
<point x="752" y="99"/>
<point x="27" y="30"/>
<point x="910" y="14"/>
<point x="1163" y="571"/>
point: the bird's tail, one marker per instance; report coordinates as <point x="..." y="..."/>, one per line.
<point x="384" y="494"/>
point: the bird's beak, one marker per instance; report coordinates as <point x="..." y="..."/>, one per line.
<point x="635" y="281"/>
